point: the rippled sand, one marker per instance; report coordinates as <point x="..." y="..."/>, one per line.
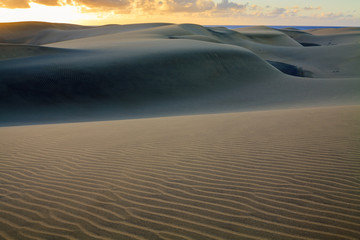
<point x="280" y="174"/>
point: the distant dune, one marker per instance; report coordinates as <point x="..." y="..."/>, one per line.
<point x="59" y="72"/>
<point x="251" y="133"/>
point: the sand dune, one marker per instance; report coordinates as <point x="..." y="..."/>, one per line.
<point x="326" y="36"/>
<point x="341" y="59"/>
<point x="9" y="51"/>
<point x="281" y="174"/>
<point x="37" y="33"/>
<point x="269" y="36"/>
<point x="23" y="32"/>
<point x="283" y="165"/>
<point x="59" y="72"/>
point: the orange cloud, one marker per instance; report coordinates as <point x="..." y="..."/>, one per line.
<point x="145" y="5"/>
<point x="206" y="10"/>
<point x="14" y="4"/>
<point x="102" y="4"/>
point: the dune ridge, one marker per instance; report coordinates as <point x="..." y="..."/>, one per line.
<point x="50" y="71"/>
<point x="219" y="178"/>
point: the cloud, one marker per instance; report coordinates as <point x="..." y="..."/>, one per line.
<point x="96" y="4"/>
<point x="255" y="7"/>
<point x="278" y="11"/>
<point x="103" y="4"/>
<point x="47" y="2"/>
<point x="311" y="8"/>
<point x="25" y="3"/>
<point x="292" y="11"/>
<point x="332" y="15"/>
<point x="150" y="6"/>
<point x="14" y="4"/>
<point x="284" y="12"/>
<point x="225" y="5"/>
<point x="189" y="5"/>
<point x="146" y="9"/>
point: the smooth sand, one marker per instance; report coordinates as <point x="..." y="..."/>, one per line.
<point x="281" y="174"/>
<point x="61" y="72"/>
<point x="284" y="165"/>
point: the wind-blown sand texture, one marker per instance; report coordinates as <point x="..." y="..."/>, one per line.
<point x="280" y="174"/>
<point x="277" y="158"/>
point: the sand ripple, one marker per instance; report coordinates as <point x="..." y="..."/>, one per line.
<point x="289" y="174"/>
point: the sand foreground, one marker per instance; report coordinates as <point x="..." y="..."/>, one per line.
<point x="281" y="174"/>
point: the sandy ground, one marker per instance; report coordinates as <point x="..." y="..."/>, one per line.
<point x="280" y="174"/>
<point x="250" y="133"/>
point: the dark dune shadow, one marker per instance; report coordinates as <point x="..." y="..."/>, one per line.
<point x="290" y="69"/>
<point x="309" y="44"/>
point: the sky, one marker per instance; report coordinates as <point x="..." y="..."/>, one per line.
<point x="205" y="12"/>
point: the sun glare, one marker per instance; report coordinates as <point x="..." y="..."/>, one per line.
<point x="38" y="12"/>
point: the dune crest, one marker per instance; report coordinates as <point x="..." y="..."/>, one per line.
<point x="50" y="71"/>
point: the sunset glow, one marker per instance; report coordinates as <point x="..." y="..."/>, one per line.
<point x="273" y="12"/>
<point x="38" y="12"/>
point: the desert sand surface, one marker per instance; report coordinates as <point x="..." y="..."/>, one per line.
<point x="61" y="72"/>
<point x="279" y="174"/>
<point x="179" y="131"/>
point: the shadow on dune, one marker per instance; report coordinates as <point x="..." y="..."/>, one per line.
<point x="290" y="69"/>
<point x="78" y="76"/>
<point x="310" y="44"/>
<point x="155" y="69"/>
